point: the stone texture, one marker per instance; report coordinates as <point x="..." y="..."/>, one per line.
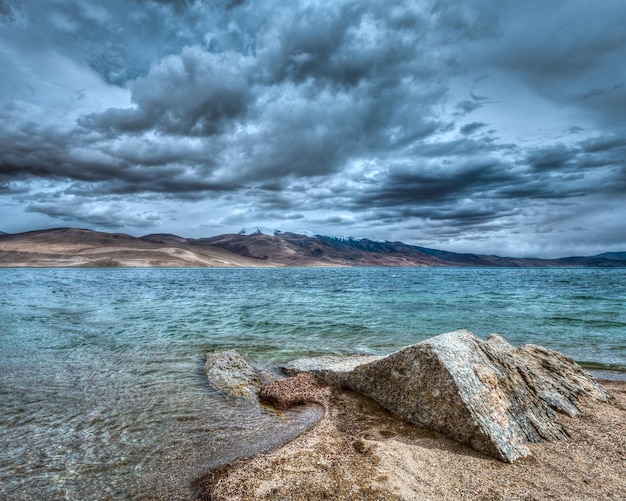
<point x="303" y="388"/>
<point x="229" y="373"/>
<point x="484" y="393"/>
<point x="328" y="363"/>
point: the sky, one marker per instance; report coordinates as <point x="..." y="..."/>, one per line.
<point x="484" y="126"/>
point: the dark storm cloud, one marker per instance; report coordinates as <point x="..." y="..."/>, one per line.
<point x="194" y="94"/>
<point x="462" y="22"/>
<point x="440" y="184"/>
<point x="115" y="216"/>
<point x="612" y="148"/>
<point x="472" y="127"/>
<point x="326" y="85"/>
<point x="138" y="168"/>
<point x="463" y="114"/>
<point x="345" y="44"/>
<point x="476" y="215"/>
<point x="315" y="95"/>
<point x="467" y="106"/>
<point x="12" y="188"/>
<point x="553" y="157"/>
<point x="118" y="38"/>
<point x="597" y="92"/>
<point x="461" y="147"/>
<point x="177" y="4"/>
<point x="6" y="8"/>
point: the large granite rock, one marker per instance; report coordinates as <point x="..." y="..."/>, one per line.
<point x="485" y="393"/>
<point x="230" y="373"/>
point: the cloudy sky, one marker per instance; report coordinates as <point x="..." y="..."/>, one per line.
<point x="482" y="126"/>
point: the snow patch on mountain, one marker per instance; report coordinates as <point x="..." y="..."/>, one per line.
<point x="272" y="232"/>
<point x="350" y="240"/>
<point x="259" y="230"/>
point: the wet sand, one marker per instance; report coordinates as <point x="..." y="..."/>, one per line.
<point x="358" y="451"/>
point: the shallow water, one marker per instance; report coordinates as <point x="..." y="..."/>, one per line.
<point x="103" y="393"/>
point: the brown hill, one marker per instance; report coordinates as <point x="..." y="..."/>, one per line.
<point x="300" y="250"/>
<point x="71" y="247"/>
<point x="296" y="249"/>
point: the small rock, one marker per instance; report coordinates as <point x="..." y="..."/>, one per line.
<point x="360" y="446"/>
<point x="283" y="394"/>
<point x="230" y="373"/>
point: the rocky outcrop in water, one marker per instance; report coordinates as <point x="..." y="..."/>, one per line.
<point x="484" y="393"/>
<point x="230" y="373"/>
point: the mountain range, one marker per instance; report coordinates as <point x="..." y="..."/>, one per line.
<point x="74" y="247"/>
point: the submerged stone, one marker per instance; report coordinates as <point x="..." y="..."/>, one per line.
<point x="230" y="373"/>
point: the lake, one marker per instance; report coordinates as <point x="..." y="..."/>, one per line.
<point x="103" y="391"/>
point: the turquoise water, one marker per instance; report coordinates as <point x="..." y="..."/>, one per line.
<point x="103" y="393"/>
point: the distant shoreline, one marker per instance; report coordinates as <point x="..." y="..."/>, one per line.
<point x="269" y="267"/>
<point x="80" y="248"/>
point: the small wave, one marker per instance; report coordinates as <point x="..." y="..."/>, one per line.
<point x="597" y="323"/>
<point x="584" y="297"/>
<point x="599" y="366"/>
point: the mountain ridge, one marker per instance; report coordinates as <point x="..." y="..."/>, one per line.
<point x="80" y="247"/>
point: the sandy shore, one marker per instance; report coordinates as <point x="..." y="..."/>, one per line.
<point x="358" y="451"/>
